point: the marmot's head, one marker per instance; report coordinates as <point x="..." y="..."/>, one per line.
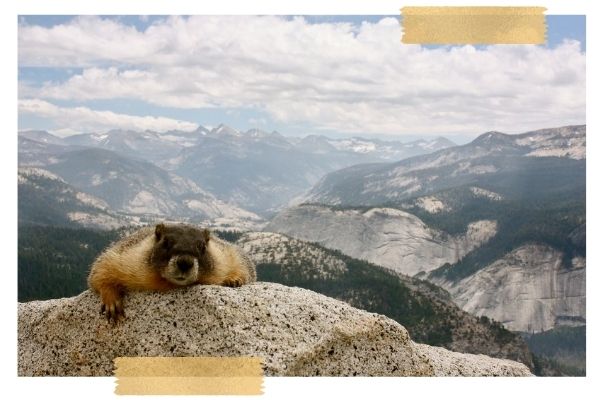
<point x="179" y="252"/>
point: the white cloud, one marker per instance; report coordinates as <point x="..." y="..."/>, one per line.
<point x="334" y="76"/>
<point x="71" y="120"/>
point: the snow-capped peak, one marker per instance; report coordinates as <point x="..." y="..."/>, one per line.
<point x="223" y="129"/>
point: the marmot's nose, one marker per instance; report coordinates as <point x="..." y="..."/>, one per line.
<point x="184" y="264"/>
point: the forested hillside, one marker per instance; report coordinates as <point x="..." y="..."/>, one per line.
<point x="54" y="262"/>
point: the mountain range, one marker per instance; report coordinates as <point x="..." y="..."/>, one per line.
<point x="498" y="222"/>
<point x="494" y="161"/>
<point x="172" y="173"/>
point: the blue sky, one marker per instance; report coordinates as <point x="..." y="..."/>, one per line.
<point x="333" y="75"/>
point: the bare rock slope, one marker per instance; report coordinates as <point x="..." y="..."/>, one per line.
<point x="528" y="290"/>
<point x="296" y="331"/>
<point x="385" y="236"/>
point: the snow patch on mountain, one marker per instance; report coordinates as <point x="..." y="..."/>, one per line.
<point x="388" y="150"/>
<point x="225" y="130"/>
<point x="179" y="140"/>
<point x="354" y="144"/>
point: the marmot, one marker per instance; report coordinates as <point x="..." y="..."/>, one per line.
<point x="166" y="257"/>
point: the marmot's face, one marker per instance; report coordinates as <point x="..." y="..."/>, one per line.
<point x="179" y="253"/>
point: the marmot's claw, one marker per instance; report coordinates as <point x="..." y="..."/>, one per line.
<point x="114" y="312"/>
<point x="236" y="282"/>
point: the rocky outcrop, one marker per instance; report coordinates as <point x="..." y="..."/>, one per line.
<point x="385" y="236"/>
<point x="297" y="259"/>
<point x="528" y="290"/>
<point x="296" y="331"/>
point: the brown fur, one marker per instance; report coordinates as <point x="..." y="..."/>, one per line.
<point x="149" y="260"/>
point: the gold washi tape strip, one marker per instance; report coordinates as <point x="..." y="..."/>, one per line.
<point x="473" y="25"/>
<point x="188" y="375"/>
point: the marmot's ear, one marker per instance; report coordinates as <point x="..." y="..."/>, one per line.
<point x="159" y="230"/>
<point x="206" y="235"/>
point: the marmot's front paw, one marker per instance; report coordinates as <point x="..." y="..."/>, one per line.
<point x="233" y="282"/>
<point x="113" y="311"/>
<point x="112" y="305"/>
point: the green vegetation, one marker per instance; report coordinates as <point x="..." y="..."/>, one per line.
<point x="54" y="262"/>
<point x="501" y="334"/>
<point x="545" y="366"/>
<point x="558" y="340"/>
<point x="230" y="236"/>
<point x="560" y="351"/>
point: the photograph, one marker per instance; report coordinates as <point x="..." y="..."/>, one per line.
<point x="305" y="190"/>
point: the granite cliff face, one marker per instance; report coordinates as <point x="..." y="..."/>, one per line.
<point x="389" y="237"/>
<point x="296" y="331"/>
<point x="528" y="290"/>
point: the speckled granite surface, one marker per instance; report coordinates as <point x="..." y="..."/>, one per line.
<point x="298" y="333"/>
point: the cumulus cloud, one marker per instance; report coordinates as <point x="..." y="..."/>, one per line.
<point x="338" y="76"/>
<point x="82" y="119"/>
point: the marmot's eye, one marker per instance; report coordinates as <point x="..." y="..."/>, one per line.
<point x="166" y="243"/>
<point x="201" y="247"/>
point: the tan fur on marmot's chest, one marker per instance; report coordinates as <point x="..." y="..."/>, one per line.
<point x="128" y="265"/>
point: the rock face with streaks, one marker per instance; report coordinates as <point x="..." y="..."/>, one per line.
<point x="528" y="290"/>
<point x="297" y="332"/>
<point x="389" y="237"/>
